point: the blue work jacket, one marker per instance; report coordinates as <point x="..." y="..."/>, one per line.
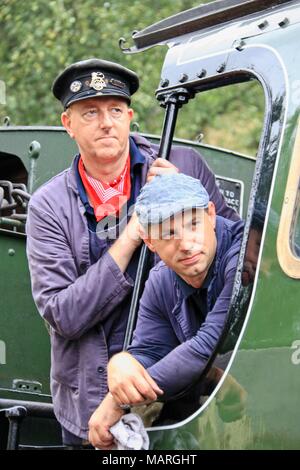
<point x="175" y="335"/>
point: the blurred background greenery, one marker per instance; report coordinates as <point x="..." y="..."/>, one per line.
<point x="38" y="38"/>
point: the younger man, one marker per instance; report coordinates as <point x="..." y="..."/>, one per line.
<point x="185" y="302"/>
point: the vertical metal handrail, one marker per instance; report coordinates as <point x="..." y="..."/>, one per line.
<point x="172" y="102"/>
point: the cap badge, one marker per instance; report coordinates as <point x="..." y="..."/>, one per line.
<point x="97" y="82"/>
<point x="75" y="86"/>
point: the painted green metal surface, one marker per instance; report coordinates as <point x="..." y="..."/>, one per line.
<point x="25" y="336"/>
<point x="56" y="154"/>
<point x="264" y="360"/>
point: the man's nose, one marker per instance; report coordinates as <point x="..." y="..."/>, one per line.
<point x="187" y="242"/>
<point x="105" y="120"/>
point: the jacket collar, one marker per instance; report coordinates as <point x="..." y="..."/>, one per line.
<point x="187" y="290"/>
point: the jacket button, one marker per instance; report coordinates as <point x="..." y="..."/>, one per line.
<point x="100" y="370"/>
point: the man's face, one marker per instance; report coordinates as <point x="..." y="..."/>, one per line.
<point x="186" y="243"/>
<point x="100" y="127"/>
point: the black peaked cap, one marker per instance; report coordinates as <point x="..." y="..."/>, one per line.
<point x="94" y="77"/>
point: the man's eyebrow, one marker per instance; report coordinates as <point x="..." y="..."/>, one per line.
<point x="191" y="220"/>
<point x="197" y="216"/>
<point x="88" y="106"/>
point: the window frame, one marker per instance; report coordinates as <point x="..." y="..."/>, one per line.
<point x="252" y="62"/>
<point x="288" y="260"/>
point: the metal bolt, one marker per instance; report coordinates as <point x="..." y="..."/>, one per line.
<point x="221" y="68"/>
<point x="135" y="126"/>
<point x="201" y="74"/>
<point x="284" y="23"/>
<point x="164" y="82"/>
<point x="199" y="137"/>
<point x="183" y="77"/>
<point x="263" y="24"/>
<point x="34" y="149"/>
<point x="6" y="121"/>
<point x="239" y="44"/>
<point x="11" y="252"/>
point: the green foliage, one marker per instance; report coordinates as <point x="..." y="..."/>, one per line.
<point x="38" y="38"/>
<point x="229" y="117"/>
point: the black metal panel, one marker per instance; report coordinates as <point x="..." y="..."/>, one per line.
<point x="201" y="17"/>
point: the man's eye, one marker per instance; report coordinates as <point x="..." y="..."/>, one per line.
<point x="116" y="112"/>
<point x="90" y="113"/>
<point x="196" y="223"/>
<point x="168" y="235"/>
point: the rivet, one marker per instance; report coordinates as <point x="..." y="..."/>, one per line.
<point x="221" y="67"/>
<point x="263" y="24"/>
<point x="164" y="82"/>
<point x="183" y="77"/>
<point x="201" y="74"/>
<point x="284" y="22"/>
<point x="11" y="252"/>
<point x="239" y="44"/>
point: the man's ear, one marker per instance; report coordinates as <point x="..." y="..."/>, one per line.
<point x="211" y="212"/>
<point x="130" y="113"/>
<point x="66" y="122"/>
<point x="149" y="245"/>
<point x="146" y="239"/>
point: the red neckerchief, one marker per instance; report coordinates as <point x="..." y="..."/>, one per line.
<point x="106" y="198"/>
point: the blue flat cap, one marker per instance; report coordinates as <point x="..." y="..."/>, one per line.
<point x="94" y="77"/>
<point x="166" y="195"/>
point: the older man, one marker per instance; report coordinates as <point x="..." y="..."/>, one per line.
<point x="81" y="280"/>
<point x="184" y="305"/>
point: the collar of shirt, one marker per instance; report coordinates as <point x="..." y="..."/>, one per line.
<point x="136" y="159"/>
<point x="188" y="290"/>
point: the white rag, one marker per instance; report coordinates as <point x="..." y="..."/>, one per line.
<point x="129" y="433"/>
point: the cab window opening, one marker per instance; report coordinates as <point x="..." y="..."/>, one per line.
<point x="230" y="146"/>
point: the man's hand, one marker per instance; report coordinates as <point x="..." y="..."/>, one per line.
<point x="132" y="232"/>
<point x="129" y="382"/>
<point x="231" y="400"/>
<point x="106" y="415"/>
<point x="159" y="167"/>
<point x="123" y="248"/>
